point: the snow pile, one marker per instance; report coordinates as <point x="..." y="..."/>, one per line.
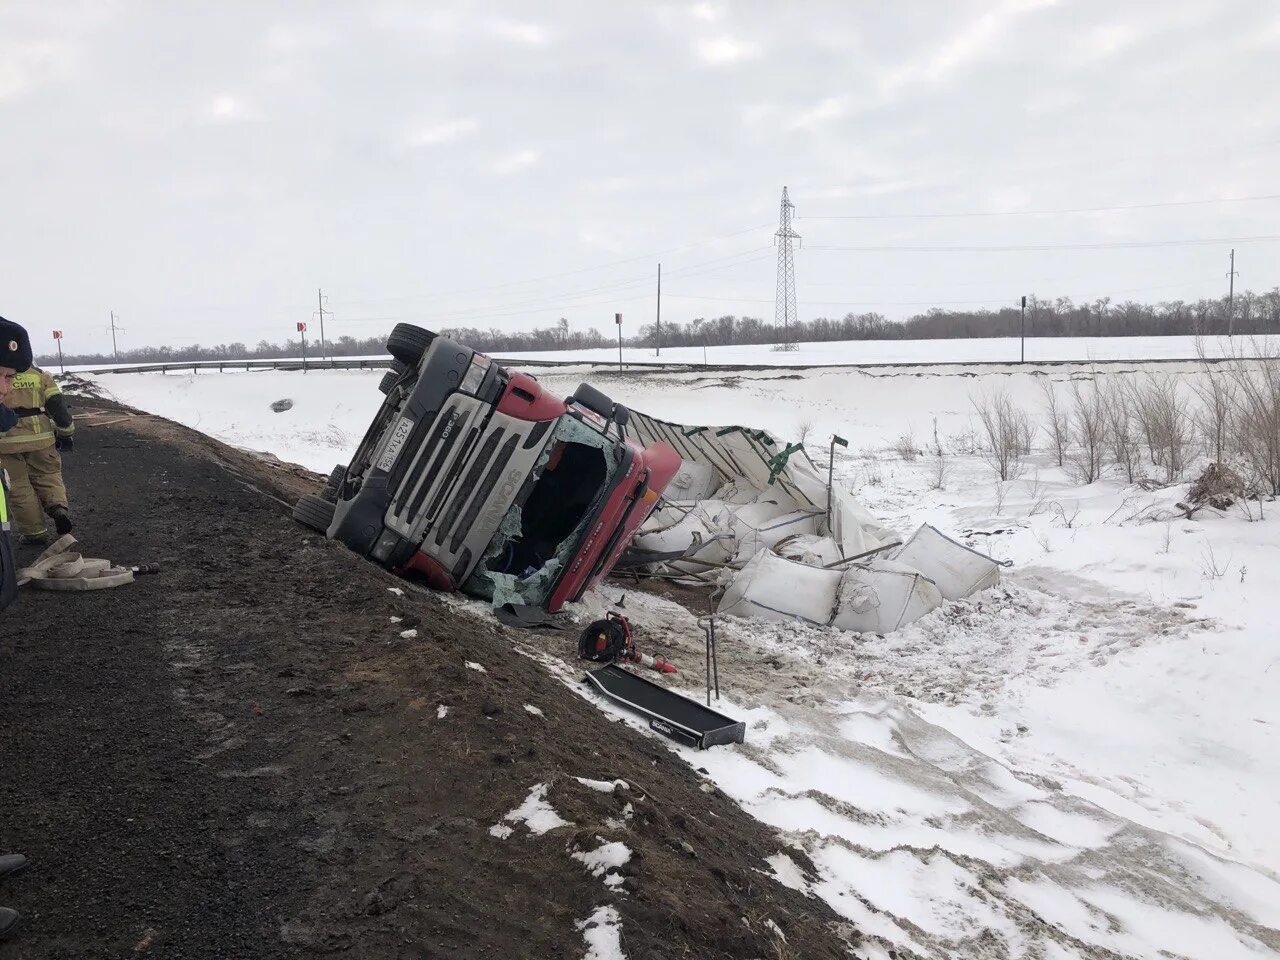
<point x="603" y="786"/>
<point x="602" y="933"/>
<point x="535" y="813"/>
<point x="605" y="860"/>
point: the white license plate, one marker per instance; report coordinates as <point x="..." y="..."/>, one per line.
<point x="399" y="434"/>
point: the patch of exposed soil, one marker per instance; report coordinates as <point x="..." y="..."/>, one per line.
<point x="249" y="755"/>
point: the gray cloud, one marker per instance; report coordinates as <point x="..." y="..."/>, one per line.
<point x="203" y="170"/>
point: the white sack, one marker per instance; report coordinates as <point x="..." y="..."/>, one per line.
<point x="772" y="588"/>
<point x="959" y="571"/>
<point x="693" y="481"/>
<point x="881" y="596"/>
<point x="855" y="529"/>
<point x="809" y="549"/>
<point x="751" y="540"/>
<point x="680" y="536"/>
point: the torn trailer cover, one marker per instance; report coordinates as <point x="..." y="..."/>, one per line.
<point x="477" y="478"/>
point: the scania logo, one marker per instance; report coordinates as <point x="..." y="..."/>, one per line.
<point x="502" y="496"/>
<point x="661" y="727"/>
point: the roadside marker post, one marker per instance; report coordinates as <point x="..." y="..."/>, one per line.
<point x="1023" y="357"/>
<point x="302" y="329"/>
<point x="617" y="318"/>
<point x="57" y="338"/>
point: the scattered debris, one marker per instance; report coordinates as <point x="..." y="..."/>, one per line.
<point x="1218" y="486"/>
<point x="472" y="665"/>
<point x="530" y="708"/>
<point x="280" y="406"/>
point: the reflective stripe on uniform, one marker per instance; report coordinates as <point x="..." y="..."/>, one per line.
<point x="9" y="441"/>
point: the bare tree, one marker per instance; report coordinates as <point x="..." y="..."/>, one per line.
<point x="1217" y="392"/>
<point x="1089" y="431"/>
<point x="1254" y="422"/>
<point x="1002" y="429"/>
<point x="1122" y="438"/>
<point x="1059" y="422"/>
<point x="1165" y="419"/>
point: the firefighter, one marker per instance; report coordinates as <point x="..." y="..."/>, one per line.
<point x="30" y="454"/>
<point x="15" y="357"/>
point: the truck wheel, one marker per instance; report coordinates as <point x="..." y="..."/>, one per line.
<point x="314" y="512"/>
<point x="408" y="343"/>
<point x="397" y="367"/>
<point x="593" y="399"/>
<point x="388" y="381"/>
<point x="334" y="483"/>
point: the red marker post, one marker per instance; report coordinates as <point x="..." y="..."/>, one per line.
<point x="302" y="329"/>
<point x="57" y="338"/>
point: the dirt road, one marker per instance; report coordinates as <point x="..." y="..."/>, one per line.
<point x="249" y="755"/>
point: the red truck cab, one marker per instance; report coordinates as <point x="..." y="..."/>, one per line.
<point x="477" y="478"/>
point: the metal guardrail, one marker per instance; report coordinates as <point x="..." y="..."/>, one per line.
<point x="380" y="363"/>
<point x="354" y="363"/>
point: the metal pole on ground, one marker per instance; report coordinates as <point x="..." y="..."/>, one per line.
<point x="831" y="469"/>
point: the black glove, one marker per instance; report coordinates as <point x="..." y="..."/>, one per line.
<point x="65" y="444"/>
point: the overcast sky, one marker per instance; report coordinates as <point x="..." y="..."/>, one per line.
<point x="202" y="168"/>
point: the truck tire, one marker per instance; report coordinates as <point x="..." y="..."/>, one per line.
<point x="408" y="343"/>
<point x="314" y="512"/>
<point x="388" y="381"/>
<point x="593" y="399"/>
<point x="397" y="367"/>
<point x="336" y="476"/>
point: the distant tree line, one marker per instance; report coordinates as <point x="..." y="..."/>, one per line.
<point x="1248" y="313"/>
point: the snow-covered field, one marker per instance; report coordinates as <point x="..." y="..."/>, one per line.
<point x="1084" y="762"/>
<point x="875" y="352"/>
<point x="852" y="352"/>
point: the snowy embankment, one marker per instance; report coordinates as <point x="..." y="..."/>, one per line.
<point x="1086" y="759"/>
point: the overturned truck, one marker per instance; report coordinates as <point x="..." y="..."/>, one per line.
<point x="478" y="479"/>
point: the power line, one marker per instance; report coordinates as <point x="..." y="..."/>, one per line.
<point x="613" y="285"/>
<point x="555" y="303"/>
<point x="915" y="303"/>
<point x="566" y="273"/>
<point x="1010" y="248"/>
<point x="1042" y="213"/>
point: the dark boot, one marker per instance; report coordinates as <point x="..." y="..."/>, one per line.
<point x="11" y="863"/>
<point x="61" y="520"/>
<point x="30" y="539"/>
<point x="8" y="920"/>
